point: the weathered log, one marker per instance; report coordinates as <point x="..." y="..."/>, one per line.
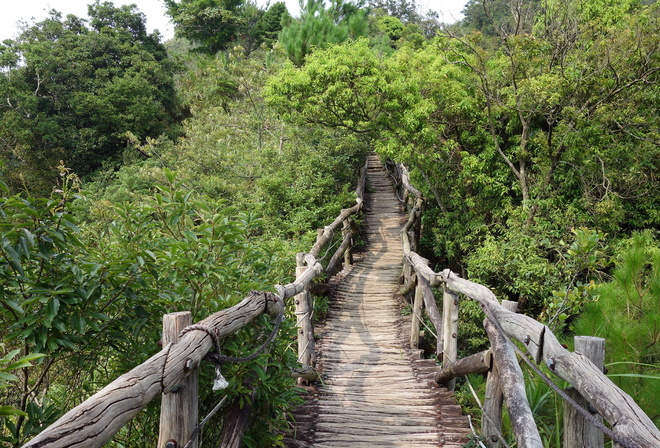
<point x="304" y="317"/>
<point x="624" y="415"/>
<point x="578" y="431"/>
<point x="97" y="419"/>
<point x="477" y="363"/>
<point x="405" y="180"/>
<point x="414" y="219"/>
<point x="421" y="266"/>
<point x="347" y="232"/>
<point x="333" y="265"/>
<point x="416" y="317"/>
<point x="618" y="408"/>
<point x="236" y="421"/>
<point x="432" y="311"/>
<point x="513" y="388"/>
<point x="313" y="269"/>
<point x="520" y="327"/>
<point x="491" y="423"/>
<point x="409" y="278"/>
<point x="326" y="235"/>
<point x="362" y="182"/>
<point x="179" y="409"/>
<point x="449" y="330"/>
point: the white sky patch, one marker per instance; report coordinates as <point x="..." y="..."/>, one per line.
<point x="12" y="11"/>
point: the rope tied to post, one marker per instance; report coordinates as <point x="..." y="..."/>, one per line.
<point x="218" y="359"/>
<point x="216" y="356"/>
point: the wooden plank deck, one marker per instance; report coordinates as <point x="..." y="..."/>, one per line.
<point x="375" y="392"/>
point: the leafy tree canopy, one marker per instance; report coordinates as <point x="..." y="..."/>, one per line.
<point x="212" y="24"/>
<point x="79" y="88"/>
<point x="320" y="26"/>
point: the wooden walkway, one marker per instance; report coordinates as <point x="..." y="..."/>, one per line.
<point x="375" y="392"/>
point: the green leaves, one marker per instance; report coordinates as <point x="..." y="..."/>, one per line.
<point x="80" y="90"/>
<point x="320" y="26"/>
<point x="626" y="315"/>
<point x="7" y="365"/>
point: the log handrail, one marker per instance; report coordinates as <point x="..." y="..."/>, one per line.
<point x="626" y="418"/>
<point x="95" y="421"/>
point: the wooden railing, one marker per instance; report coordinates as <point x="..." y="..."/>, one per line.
<point x="95" y="421"/>
<point x="629" y="426"/>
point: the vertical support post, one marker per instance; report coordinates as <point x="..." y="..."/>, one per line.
<point x="491" y="423"/>
<point x="304" y="318"/>
<point x="406" y="276"/>
<point x="417" y="315"/>
<point x="417" y="227"/>
<point x="346" y="233"/>
<point x="449" y="330"/>
<point x="577" y="430"/>
<point x="179" y="408"/>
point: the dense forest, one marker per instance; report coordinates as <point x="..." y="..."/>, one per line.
<point x="140" y="177"/>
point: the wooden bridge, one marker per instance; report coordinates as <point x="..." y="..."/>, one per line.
<point x="371" y="387"/>
<point x="375" y="391"/>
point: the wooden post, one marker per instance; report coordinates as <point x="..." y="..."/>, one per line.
<point x="577" y="430"/>
<point x="449" y="330"/>
<point x="304" y="318"/>
<point x="346" y="232"/>
<point x="512" y="383"/>
<point x="417" y="315"/>
<point x="179" y="408"/>
<point x="491" y="424"/>
<point x="417" y="227"/>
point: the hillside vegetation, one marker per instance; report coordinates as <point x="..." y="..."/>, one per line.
<point x="139" y="177"/>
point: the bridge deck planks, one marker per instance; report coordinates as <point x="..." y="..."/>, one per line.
<point x="375" y="392"/>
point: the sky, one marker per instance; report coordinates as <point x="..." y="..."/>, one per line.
<point x="11" y="11"/>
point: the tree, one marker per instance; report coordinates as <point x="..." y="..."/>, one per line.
<point x="319" y="27"/>
<point x="497" y="17"/>
<point x="270" y="23"/>
<point x="626" y="315"/>
<point x="404" y="10"/>
<point x="346" y="86"/>
<point x="212" y="24"/>
<point x="78" y="90"/>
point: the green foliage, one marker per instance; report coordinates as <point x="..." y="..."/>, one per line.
<point x="270" y="24"/>
<point x="77" y="92"/>
<point x="7" y="365"/>
<point x="346" y="86"/>
<point x="626" y="315"/>
<point x="493" y="17"/>
<point x="91" y="293"/>
<point x="390" y="26"/>
<point x="319" y="27"/>
<point x="212" y="24"/>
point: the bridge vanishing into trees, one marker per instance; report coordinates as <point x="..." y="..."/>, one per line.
<point x="367" y="381"/>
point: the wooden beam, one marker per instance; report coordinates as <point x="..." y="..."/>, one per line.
<point x="477" y="363"/>
<point x="304" y="317"/>
<point x="450" y="331"/>
<point x="578" y="431"/>
<point x="491" y="422"/>
<point x="416" y="317"/>
<point x="624" y="415"/>
<point x="334" y="265"/>
<point x="405" y="180"/>
<point x="97" y="419"/>
<point x="432" y="311"/>
<point x="179" y="408"/>
<point x="513" y="388"/>
<point x="327" y="233"/>
<point x="303" y="278"/>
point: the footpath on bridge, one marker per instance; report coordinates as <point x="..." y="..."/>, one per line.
<point x="375" y="391"/>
